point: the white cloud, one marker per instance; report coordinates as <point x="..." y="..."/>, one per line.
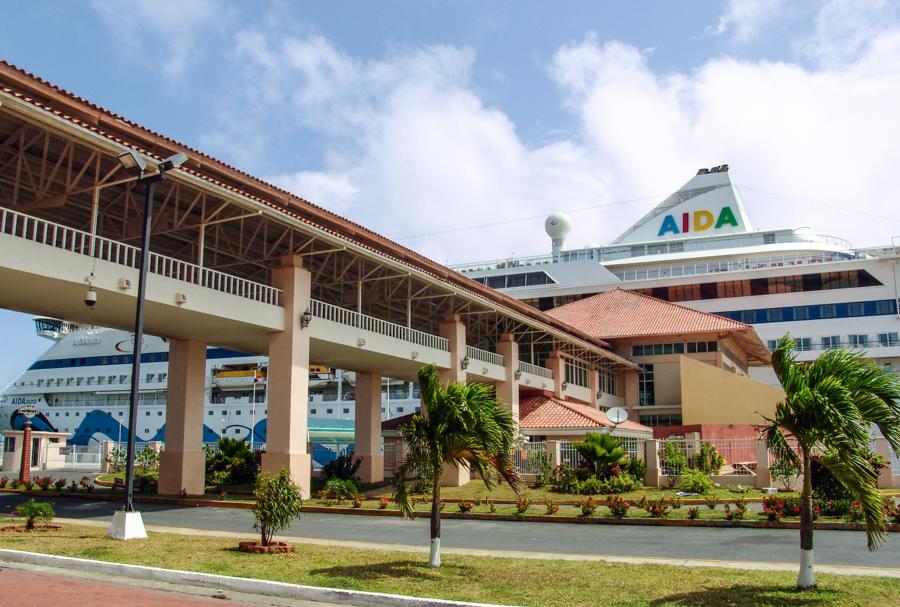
<point x="161" y="32"/>
<point x="410" y="147"/>
<point x="848" y="30"/>
<point x="745" y="18"/>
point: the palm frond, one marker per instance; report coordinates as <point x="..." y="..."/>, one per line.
<point x="855" y="472"/>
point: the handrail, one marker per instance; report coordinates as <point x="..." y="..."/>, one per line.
<point x="69" y="239"/>
<point x="525" y="367"/>
<point x="484" y="356"/>
<point x="343" y="316"/>
<point x="732" y="265"/>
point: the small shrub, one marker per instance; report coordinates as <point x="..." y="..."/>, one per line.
<point x="465" y="506"/>
<point x="3" y="481"/>
<point x="342" y="467"/>
<point x="60" y="484"/>
<point x="588" y="506"/>
<point x="674" y="461"/>
<point x="88" y="483"/>
<point x="622" y="483"/>
<point x="657" y="508"/>
<point x="711" y="501"/>
<point x="740" y="509"/>
<point x="144" y="483"/>
<point x="676" y="503"/>
<point x="147" y="460"/>
<point x="357" y="502"/>
<point x="278" y="503"/>
<point x="492" y="507"/>
<point x="693" y="513"/>
<point x="14" y="483"/>
<point x="522" y="504"/>
<point x="591" y="486"/>
<point x="541" y="461"/>
<point x="34" y="511"/>
<point x="116" y="458"/>
<point x="641" y="502"/>
<point x="835" y="507"/>
<point x="855" y="514"/>
<point x="563" y="479"/>
<point x="729" y="515"/>
<point x="339" y="489"/>
<point x="618" y="507"/>
<point x="73" y="487"/>
<point x="29" y="485"/>
<point x="695" y="481"/>
<point x="636" y="468"/>
<point x="44" y="482"/>
<point x="383" y="503"/>
<point x="708" y="461"/>
<point x="552" y="507"/>
<point x="773" y="508"/>
<point x="218" y="478"/>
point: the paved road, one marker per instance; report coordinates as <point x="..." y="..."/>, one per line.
<point x="754" y="545"/>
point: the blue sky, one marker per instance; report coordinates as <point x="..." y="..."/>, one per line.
<point x="422" y="118"/>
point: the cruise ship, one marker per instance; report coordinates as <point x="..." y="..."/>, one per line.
<point x="698" y="248"/>
<point x="81" y="386"/>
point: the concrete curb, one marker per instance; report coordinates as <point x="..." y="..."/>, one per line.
<point x="232" y="584"/>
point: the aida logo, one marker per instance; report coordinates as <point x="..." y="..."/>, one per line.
<point x="702" y="221"/>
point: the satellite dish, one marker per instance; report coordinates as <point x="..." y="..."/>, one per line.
<point x="617" y="415"/>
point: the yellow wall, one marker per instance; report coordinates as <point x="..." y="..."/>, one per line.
<point x="667" y="383"/>
<point x="714" y="396"/>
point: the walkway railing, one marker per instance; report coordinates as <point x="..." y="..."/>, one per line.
<point x="525" y="367"/>
<point x="484" y="356"/>
<point x="532" y="458"/>
<point x="326" y="311"/>
<point x="83" y="243"/>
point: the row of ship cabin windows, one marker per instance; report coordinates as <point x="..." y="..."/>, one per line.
<point x="346" y="410"/>
<point x="830" y="342"/>
<point x="95" y="379"/>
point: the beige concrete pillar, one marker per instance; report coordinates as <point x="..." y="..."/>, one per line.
<point x="368" y="427"/>
<point x="652" y="460"/>
<point x="288" y="379"/>
<point x="106" y="448"/>
<point x="455" y="331"/>
<point x="556" y="364"/>
<point x="508" y="391"/>
<point x="763" y="473"/>
<point x="594" y="385"/>
<point x="885" y="476"/>
<point x="629" y="381"/>
<point x="182" y="466"/>
<point x="554" y="448"/>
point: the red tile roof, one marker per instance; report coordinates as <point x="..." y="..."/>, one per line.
<point x="620" y="314"/>
<point x="541" y="412"/>
<point x="77" y="110"/>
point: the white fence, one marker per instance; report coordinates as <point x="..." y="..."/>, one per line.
<point x="484" y="356"/>
<point x="739" y="455"/>
<point x="530" y="458"/>
<point x="568" y="454"/>
<point x="85" y="457"/>
<point x="83" y="243"/>
<point x="389" y="450"/>
<point x="326" y="311"/>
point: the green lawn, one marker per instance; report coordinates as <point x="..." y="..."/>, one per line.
<point x="494" y="580"/>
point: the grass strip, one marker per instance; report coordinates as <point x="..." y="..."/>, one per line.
<point x="492" y="580"/>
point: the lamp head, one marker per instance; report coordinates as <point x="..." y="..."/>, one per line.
<point x="132" y="161"/>
<point x="172" y="162"/>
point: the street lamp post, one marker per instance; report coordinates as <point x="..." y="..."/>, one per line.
<point x="127" y="524"/>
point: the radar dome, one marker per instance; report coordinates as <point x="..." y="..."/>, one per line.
<point x="558" y="226"/>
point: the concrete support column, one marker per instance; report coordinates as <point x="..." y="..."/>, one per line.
<point x="594" y="385"/>
<point x="652" y="461"/>
<point x="106" y="448"/>
<point x="25" y="465"/>
<point x="885" y="477"/>
<point x="455" y="332"/>
<point x="763" y="473"/>
<point x="556" y="364"/>
<point x="182" y="466"/>
<point x="288" y="379"/>
<point x="508" y="391"/>
<point x="629" y="382"/>
<point x="368" y="427"/>
<point x="554" y="449"/>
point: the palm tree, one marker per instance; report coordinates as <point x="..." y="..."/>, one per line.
<point x="461" y="424"/>
<point x="829" y="407"/>
<point x="602" y="452"/>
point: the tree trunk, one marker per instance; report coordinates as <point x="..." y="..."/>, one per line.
<point x="434" y="560"/>
<point x="807" y="576"/>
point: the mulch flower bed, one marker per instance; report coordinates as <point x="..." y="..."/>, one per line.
<point x="23" y="529"/>
<point x="272" y="548"/>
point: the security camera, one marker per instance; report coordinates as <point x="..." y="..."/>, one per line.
<point x="90" y="297"/>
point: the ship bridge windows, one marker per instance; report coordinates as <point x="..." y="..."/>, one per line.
<point x="520" y="279"/>
<point x="816" y="312"/>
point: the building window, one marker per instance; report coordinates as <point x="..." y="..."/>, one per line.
<point x="772" y="344"/>
<point x="121" y="413"/>
<point x="830" y="342"/>
<point x="646" y="392"/>
<point x="803" y="343"/>
<point x="312" y="411"/>
<point x="887" y="339"/>
<point x="345" y="410"/>
<point x="399" y="409"/>
<point x="329" y="411"/>
<point x="858" y="341"/>
<point x="828" y="311"/>
<point x="159" y="413"/>
<point x="856" y="309"/>
<point x="665" y="419"/>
